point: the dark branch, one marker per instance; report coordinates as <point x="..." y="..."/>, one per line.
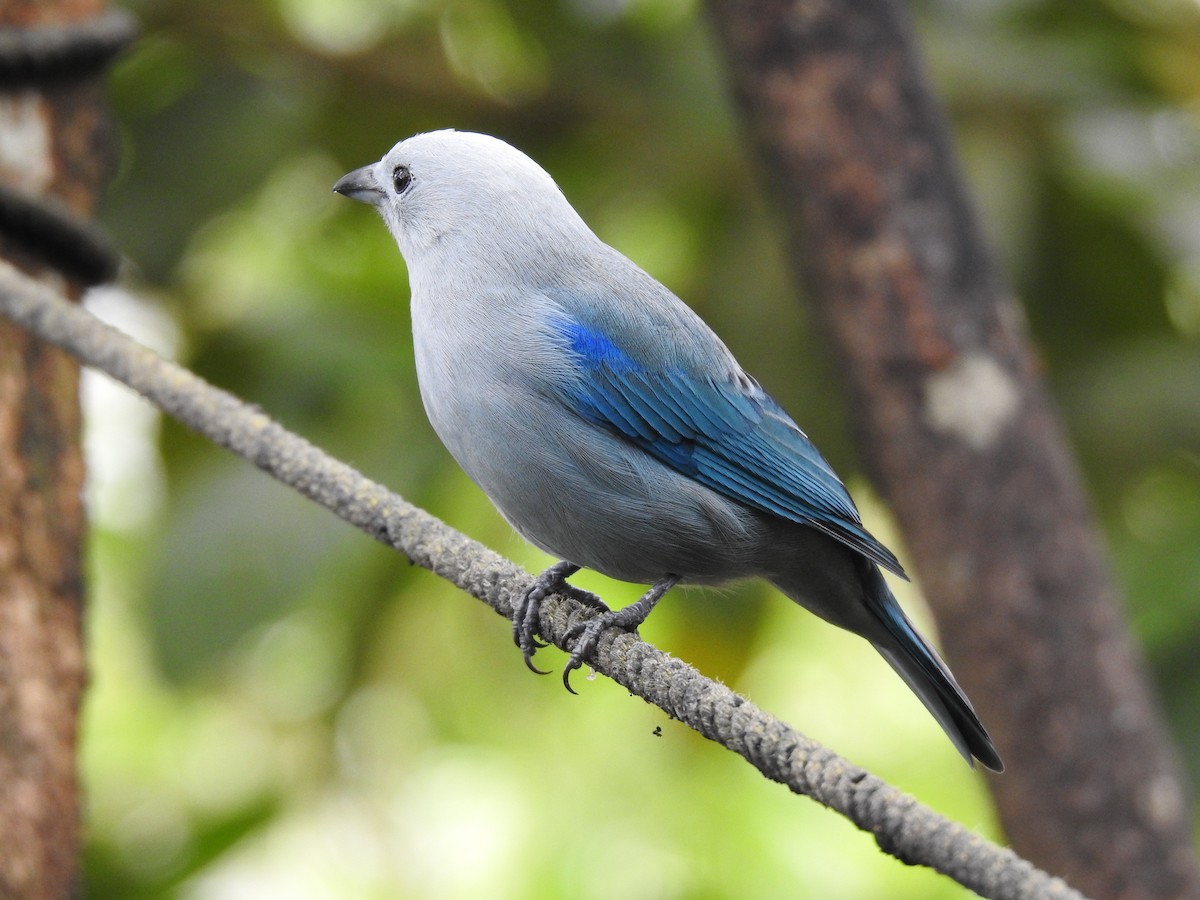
<point x="906" y="829"/>
<point x="960" y="435"/>
<point x="46" y="230"/>
<point x="39" y="54"/>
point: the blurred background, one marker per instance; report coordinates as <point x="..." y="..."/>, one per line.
<point x="282" y="708"/>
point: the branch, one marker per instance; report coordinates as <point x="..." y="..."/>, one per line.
<point x="903" y="827"/>
<point x="959" y="433"/>
<point x="58" y="150"/>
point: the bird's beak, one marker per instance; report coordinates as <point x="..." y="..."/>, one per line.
<point x="360" y="185"/>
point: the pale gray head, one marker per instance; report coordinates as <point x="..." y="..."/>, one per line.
<point x="459" y="192"/>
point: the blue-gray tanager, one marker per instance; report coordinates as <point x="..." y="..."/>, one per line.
<point x="609" y="425"/>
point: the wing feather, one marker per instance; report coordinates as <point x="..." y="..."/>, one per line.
<point x="724" y="431"/>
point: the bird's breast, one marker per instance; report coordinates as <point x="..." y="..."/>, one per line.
<point x="496" y="392"/>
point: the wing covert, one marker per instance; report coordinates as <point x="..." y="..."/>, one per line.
<point x="726" y="432"/>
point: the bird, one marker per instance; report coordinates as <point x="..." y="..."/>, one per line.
<point x="610" y="426"/>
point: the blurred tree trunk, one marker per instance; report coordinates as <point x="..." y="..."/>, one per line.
<point x="55" y="145"/>
<point x="958" y="433"/>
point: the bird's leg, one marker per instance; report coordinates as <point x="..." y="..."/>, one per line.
<point x="528" y="606"/>
<point x="628" y="618"/>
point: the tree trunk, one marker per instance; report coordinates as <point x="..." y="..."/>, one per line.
<point x="55" y="145"/>
<point x="958" y="433"/>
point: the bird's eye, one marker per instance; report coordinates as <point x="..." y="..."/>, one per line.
<point x="401" y="179"/>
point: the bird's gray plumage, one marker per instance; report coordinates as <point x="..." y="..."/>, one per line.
<point x="609" y="425"/>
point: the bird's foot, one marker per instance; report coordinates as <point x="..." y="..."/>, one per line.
<point x="587" y="633"/>
<point x="527" y="608"/>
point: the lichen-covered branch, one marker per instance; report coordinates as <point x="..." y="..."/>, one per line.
<point x="903" y="827"/>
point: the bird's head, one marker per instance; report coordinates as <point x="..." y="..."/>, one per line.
<point x="468" y="190"/>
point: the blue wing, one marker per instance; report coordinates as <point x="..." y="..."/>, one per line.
<point x="722" y="430"/>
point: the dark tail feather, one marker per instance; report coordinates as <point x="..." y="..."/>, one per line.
<point x="930" y="679"/>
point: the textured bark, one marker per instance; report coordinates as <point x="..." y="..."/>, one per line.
<point x="958" y="433"/>
<point x="55" y="146"/>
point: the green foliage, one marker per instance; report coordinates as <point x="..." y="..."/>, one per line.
<point x="282" y="708"/>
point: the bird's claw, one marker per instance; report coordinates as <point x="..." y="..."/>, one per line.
<point x="586" y="636"/>
<point x="527" y="609"/>
<point x="525" y="622"/>
<point x="527" y="642"/>
<point x="587" y="633"/>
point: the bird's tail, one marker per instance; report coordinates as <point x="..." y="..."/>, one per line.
<point x="923" y="670"/>
<point x="847" y="589"/>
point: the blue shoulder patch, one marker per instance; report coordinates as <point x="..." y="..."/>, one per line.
<point x="727" y="433"/>
<point x="594" y="346"/>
